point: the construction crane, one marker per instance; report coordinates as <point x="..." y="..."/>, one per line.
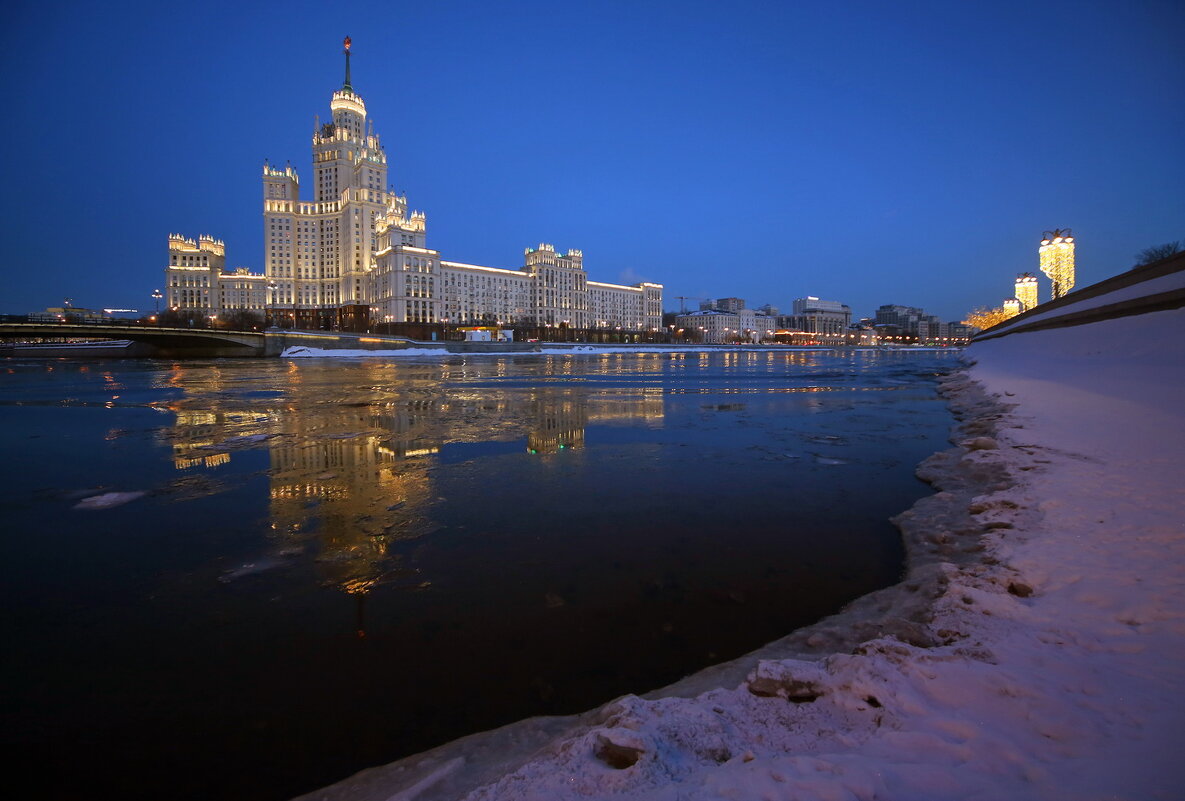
<point x="683" y="302"/>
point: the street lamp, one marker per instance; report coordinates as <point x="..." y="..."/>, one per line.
<point x="156" y="296"/>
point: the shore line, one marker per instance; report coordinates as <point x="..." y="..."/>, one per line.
<point x="939" y="533"/>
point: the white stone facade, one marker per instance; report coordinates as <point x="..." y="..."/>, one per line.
<point x="715" y="326"/>
<point x="196" y="279"/>
<point x="357" y="243"/>
<point x="815" y="316"/>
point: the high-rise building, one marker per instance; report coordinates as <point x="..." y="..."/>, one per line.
<point x="318" y="253"/>
<point x="355" y="251"/>
<point x="1056" y="256"/>
<point x="730" y="304"/>
<point x="1026" y="291"/>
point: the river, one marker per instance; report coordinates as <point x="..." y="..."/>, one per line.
<point x="249" y="578"/>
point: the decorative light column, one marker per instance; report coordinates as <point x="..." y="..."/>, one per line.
<point x="1057" y="260"/>
<point x="1026" y="291"/>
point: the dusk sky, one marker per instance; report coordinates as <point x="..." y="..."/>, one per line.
<point x="865" y="152"/>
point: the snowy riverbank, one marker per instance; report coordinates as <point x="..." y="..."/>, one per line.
<point x="1036" y="650"/>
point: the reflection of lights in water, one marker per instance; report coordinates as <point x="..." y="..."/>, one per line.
<point x="348" y="480"/>
<point x="413" y="452"/>
<point x="358" y="586"/>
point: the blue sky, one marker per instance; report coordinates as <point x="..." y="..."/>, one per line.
<point x="866" y="152"/>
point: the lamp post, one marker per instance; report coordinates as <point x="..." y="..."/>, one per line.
<point x="156" y="296"/>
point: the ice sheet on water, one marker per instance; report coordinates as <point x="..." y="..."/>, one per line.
<point x="303" y="352"/>
<point x="250" y="568"/>
<point x="108" y="500"/>
<point x="828" y="460"/>
<point x="825" y="439"/>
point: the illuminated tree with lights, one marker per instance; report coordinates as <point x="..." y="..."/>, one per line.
<point x="983" y="318"/>
<point x="1057" y="260"/>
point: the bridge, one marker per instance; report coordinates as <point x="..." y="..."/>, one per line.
<point x="188" y="343"/>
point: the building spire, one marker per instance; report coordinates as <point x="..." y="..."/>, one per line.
<point x="346" y="86"/>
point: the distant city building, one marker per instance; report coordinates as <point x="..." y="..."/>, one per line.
<point x="1012" y="307"/>
<point x="730" y="304"/>
<point x="715" y="326"/>
<point x="69" y="314"/>
<point x="815" y="316"/>
<point x="913" y="323"/>
<point x="1056" y="256"/>
<point x="1026" y="291"/>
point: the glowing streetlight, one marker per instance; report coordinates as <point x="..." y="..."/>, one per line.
<point x="1056" y="256"/>
<point x="1026" y="291"/>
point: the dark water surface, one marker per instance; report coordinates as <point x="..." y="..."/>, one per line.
<point x="336" y="563"/>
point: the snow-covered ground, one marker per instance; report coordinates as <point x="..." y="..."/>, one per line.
<point x="1036" y="649"/>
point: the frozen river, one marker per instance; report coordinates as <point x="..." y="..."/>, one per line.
<point x="246" y="579"/>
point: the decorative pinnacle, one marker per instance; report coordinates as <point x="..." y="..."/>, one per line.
<point x="346" y="45"/>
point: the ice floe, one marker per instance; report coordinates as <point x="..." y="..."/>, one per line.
<point x="108" y="500"/>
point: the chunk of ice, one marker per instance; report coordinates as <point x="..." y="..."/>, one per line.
<point x="108" y="500"/>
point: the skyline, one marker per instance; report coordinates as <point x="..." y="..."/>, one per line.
<point x="771" y="154"/>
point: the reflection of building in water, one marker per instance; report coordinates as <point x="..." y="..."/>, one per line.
<point x="348" y="482"/>
<point x="560" y="419"/>
<point x="204" y="432"/>
<point x="351" y="489"/>
<point x="559" y="425"/>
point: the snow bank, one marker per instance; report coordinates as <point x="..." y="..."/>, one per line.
<point x="1036" y="649"/>
<point x="301" y="352"/>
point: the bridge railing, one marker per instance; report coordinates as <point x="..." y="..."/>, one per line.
<point x="39" y="319"/>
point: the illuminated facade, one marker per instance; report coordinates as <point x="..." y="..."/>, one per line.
<point x="1012" y="307"/>
<point x="196" y="279"/>
<point x="815" y="316"/>
<point x="1026" y="291"/>
<point x="358" y="246"/>
<point x="715" y="326"/>
<point x="1056" y="255"/>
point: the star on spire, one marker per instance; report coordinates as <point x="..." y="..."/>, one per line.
<point x="346" y="86"/>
